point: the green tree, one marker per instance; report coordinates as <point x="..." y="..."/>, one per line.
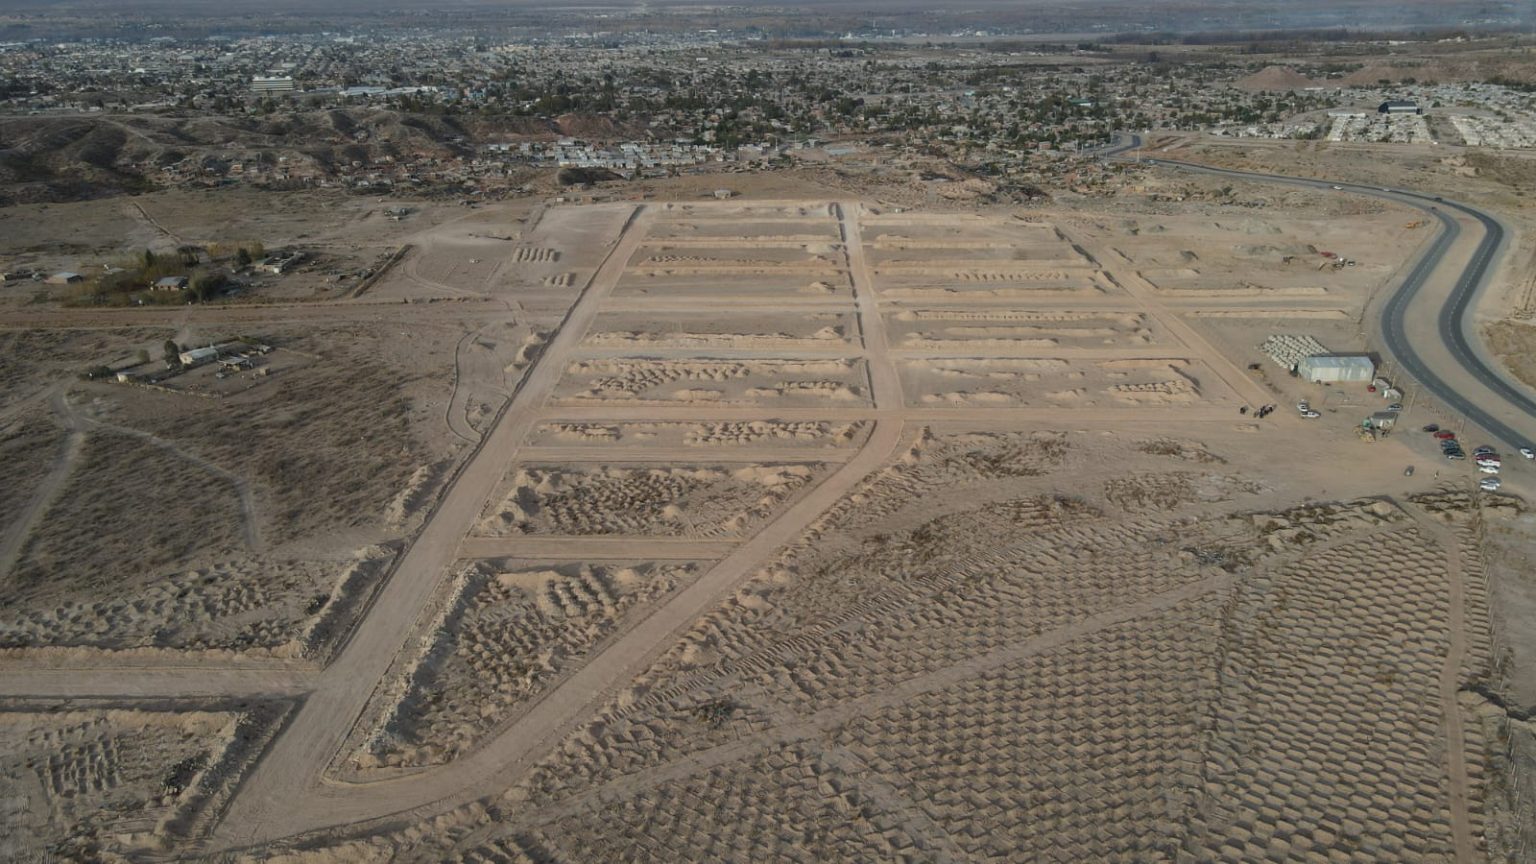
<point x="172" y="352"/>
<point x="205" y="285"/>
<point x="243" y="257"/>
<point x="149" y="260"/>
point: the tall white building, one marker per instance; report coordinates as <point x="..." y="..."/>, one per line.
<point x="260" y="84"/>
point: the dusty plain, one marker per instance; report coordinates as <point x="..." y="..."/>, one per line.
<point x="788" y="527"/>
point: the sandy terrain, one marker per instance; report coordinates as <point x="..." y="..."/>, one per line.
<point x="1015" y="330"/>
<point x="1055" y="381"/>
<point x="504" y="633"/>
<point x="255" y="606"/>
<point x="814" y="331"/>
<point x="685" y="501"/>
<point x="764" y="433"/>
<point x="768" y="382"/>
<point x="79" y="779"/>
<point x="945" y="539"/>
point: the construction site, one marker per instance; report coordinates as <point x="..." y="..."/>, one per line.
<point x="766" y="529"/>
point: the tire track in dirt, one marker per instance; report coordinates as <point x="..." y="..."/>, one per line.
<point x="21" y="528"/>
<point x="789" y="728"/>
<point x="1450" y="687"/>
<point x="818" y="724"/>
<point x="143" y="215"/>
<point x="250" y="529"/>
<point x="455" y="413"/>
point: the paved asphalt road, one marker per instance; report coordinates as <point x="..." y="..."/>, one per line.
<point x="1452" y="316"/>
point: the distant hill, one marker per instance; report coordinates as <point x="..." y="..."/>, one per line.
<point x="1276" y="78"/>
<point x="77" y="157"/>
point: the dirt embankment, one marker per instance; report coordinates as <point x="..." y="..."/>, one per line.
<point x="1514" y="343"/>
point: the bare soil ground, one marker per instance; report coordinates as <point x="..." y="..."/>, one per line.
<point x="108" y="528"/>
<point x="251" y="512"/>
<point x="251" y="605"/>
<point x="32" y="442"/>
<point x="684" y="501"/>
<point x="1515" y="343"/>
<point x="140" y="779"/>
<point x="996" y="567"/>
<point x="767" y="382"/>
<point x="716" y="434"/>
<point x="32" y="362"/>
<point x="813" y="331"/>
<point x="1010" y="329"/>
<point x="504" y="633"/>
<point x="1058" y="381"/>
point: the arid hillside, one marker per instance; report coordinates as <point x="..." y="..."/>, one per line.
<point x="85" y="156"/>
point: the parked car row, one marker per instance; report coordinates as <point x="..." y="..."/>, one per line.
<point x="1486" y="457"/>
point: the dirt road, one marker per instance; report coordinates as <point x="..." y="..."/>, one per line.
<point x="280" y="796"/>
<point x="1450" y="687"/>
<point x="271" y="805"/>
<point x="250" y="525"/>
<point x="181" y="682"/>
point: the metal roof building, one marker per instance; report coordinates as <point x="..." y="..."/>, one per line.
<point x="1381" y="420"/>
<point x="1329" y="368"/>
<point x="195" y="356"/>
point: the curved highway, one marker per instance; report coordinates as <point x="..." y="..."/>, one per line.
<point x="1452" y="319"/>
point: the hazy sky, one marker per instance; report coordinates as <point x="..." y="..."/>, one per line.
<point x="1105" y="14"/>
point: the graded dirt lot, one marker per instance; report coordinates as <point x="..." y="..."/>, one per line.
<point x="946" y="538"/>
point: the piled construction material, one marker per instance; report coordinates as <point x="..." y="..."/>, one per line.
<point x="1288" y="350"/>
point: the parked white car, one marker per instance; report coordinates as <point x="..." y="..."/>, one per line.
<point x="1489" y="484"/>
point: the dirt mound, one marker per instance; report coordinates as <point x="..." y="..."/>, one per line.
<point x="1276" y="78"/>
<point x="579" y="176"/>
<point x="590" y="126"/>
<point x="510" y="128"/>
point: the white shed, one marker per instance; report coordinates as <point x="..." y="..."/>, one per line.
<point x="1331" y="368"/>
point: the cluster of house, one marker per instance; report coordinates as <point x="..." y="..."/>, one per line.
<point x="277" y="264"/>
<point x="70" y="277"/>
<point x="63" y="277"/>
<point x="281" y="262"/>
<point x="231" y="357"/>
<point x="625" y="156"/>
